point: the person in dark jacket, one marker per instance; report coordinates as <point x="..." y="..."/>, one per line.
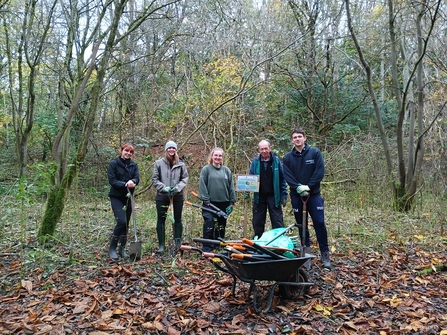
<point x="169" y="179"/>
<point x="123" y="177"/>
<point x="272" y="193"/>
<point x="303" y="171"/>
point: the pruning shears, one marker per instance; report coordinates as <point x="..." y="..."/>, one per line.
<point x="211" y="208"/>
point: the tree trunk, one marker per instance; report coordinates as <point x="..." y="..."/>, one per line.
<point x="58" y="195"/>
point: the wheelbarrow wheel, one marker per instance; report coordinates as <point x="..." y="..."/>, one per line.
<point x="292" y="292"/>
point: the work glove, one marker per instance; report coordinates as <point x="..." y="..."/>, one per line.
<point x="284" y="202"/>
<point x="171" y="190"/>
<point x="229" y="210"/>
<point x="246" y="195"/>
<point x="167" y="189"/>
<point x="303" y="190"/>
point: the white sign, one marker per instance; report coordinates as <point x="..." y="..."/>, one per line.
<point x="247" y="183"/>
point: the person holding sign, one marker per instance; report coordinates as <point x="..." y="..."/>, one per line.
<point x="303" y="171"/>
<point x="272" y="193"/>
<point x="216" y="188"/>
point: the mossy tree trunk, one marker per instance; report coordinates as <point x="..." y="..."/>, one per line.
<point x="91" y="88"/>
<point x="59" y="193"/>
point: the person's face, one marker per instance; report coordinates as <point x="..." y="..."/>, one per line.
<point x="171" y="151"/>
<point x="264" y="150"/>
<point x="126" y="153"/>
<point x="217" y="157"/>
<point x="298" y="140"/>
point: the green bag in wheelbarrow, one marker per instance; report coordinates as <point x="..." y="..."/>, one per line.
<point x="277" y="238"/>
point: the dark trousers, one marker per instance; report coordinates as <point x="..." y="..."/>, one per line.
<point x="260" y="214"/>
<point x="213" y="225"/>
<point x="315" y="208"/>
<point x="122" y="211"/>
<point x="162" y="210"/>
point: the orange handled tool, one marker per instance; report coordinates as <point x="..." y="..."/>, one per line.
<point x="262" y="249"/>
<point x="250" y="257"/>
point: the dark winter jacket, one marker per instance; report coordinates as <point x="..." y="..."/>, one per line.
<point x="279" y="183"/>
<point x="305" y="168"/>
<point x="120" y="171"/>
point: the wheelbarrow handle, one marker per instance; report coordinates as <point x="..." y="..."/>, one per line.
<point x="262" y="249"/>
<point x="219" y="212"/>
<point x="188" y="247"/>
<point x="204" y="254"/>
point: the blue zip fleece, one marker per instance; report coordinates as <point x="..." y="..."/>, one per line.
<point x="279" y="183"/>
<point x="305" y="168"/>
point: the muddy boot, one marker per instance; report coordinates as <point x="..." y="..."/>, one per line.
<point x="112" y="248"/>
<point x="161" y="235"/>
<point x="308" y="263"/>
<point x="122" y="246"/>
<point x="178" y="231"/>
<point x="326" y="260"/>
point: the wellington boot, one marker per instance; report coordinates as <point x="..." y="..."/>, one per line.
<point x="178" y="232"/>
<point x="112" y="247"/>
<point x="122" y="246"/>
<point x="161" y="235"/>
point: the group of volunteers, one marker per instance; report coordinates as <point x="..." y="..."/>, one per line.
<point x="302" y="169"/>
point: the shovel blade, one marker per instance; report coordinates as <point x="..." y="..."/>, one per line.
<point x="135" y="251"/>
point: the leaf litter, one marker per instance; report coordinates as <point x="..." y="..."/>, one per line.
<point x="399" y="291"/>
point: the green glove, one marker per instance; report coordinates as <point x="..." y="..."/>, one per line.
<point x="284" y="202"/>
<point x="171" y="189"/>
<point x="229" y="210"/>
<point x="246" y="195"/>
<point x="167" y="189"/>
<point x="303" y="190"/>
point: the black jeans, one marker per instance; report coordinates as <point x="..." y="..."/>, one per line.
<point x="213" y="225"/>
<point x="122" y="210"/>
<point x="260" y="214"/>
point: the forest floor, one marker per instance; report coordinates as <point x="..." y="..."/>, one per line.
<point x="396" y="286"/>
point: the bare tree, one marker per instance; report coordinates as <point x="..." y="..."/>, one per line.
<point x="26" y="57"/>
<point x="105" y="36"/>
<point x="406" y="181"/>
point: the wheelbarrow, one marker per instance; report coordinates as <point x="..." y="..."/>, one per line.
<point x="257" y="263"/>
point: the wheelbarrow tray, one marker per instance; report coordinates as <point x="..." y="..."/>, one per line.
<point x="280" y="270"/>
<point x="285" y="273"/>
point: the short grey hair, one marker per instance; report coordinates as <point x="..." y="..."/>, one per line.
<point x="264" y="142"/>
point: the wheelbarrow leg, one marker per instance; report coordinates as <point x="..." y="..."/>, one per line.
<point x="256" y="306"/>
<point x="233" y="286"/>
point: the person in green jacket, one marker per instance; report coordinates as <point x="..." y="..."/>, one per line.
<point x="216" y="187"/>
<point x="272" y="193"/>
